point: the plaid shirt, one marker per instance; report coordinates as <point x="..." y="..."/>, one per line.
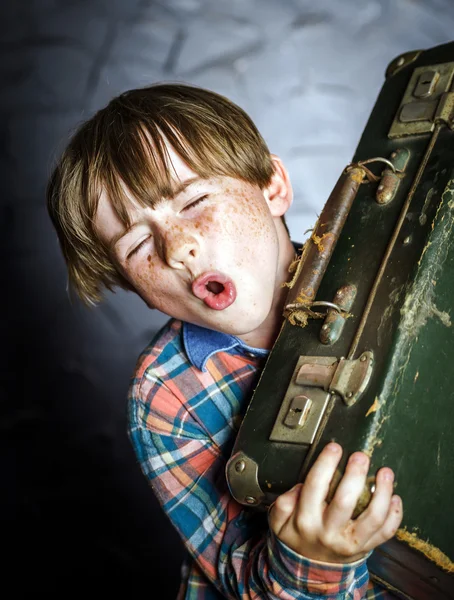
<point x="190" y="390"/>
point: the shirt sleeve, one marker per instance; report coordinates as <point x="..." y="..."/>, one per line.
<point x="231" y="544"/>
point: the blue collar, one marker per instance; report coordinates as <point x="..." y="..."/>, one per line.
<point x="201" y="343"/>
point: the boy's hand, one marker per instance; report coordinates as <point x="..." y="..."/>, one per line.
<point x="303" y="520"/>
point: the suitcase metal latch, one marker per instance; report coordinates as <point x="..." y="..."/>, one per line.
<point x="314" y="380"/>
<point x="428" y="99"/>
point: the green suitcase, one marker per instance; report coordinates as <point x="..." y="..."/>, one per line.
<point x="364" y="353"/>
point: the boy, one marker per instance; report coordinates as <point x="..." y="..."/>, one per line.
<point x="171" y="192"/>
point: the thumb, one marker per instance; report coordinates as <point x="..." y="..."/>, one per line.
<point x="283" y="508"/>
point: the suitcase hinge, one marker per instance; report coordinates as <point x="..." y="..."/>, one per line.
<point x="314" y="380"/>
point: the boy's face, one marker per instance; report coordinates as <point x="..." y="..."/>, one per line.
<point x="215" y="254"/>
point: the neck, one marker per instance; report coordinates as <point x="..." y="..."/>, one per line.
<point x="266" y="334"/>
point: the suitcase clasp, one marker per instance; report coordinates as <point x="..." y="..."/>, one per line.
<point x="427" y="100"/>
<point x="314" y="383"/>
<point x="348" y="378"/>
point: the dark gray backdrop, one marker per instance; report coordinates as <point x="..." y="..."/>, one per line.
<point x="77" y="514"/>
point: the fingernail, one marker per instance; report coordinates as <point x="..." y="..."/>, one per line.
<point x="333" y="447"/>
<point x="359" y="459"/>
<point x="388" y="475"/>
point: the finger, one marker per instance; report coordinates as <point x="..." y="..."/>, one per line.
<point x="373" y="518"/>
<point x="283" y="508"/>
<point x="316" y="484"/>
<point x="341" y="507"/>
<point x="390" y="526"/>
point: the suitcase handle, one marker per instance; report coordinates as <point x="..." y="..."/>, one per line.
<point x="317" y="251"/>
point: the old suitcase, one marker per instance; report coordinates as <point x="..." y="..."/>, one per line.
<point x="364" y="355"/>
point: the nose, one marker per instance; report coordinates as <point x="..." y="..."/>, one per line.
<point x="181" y="248"/>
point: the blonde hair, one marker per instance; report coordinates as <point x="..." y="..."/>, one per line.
<point x="122" y="148"/>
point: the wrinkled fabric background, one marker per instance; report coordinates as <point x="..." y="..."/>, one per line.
<point x="77" y="515"/>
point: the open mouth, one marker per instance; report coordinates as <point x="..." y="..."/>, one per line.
<point x="215" y="289"/>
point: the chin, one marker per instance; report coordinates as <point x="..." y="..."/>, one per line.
<point x="241" y="324"/>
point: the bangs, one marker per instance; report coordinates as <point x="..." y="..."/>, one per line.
<point x="134" y="163"/>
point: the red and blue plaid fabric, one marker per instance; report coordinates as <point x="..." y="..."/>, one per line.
<point x="182" y="425"/>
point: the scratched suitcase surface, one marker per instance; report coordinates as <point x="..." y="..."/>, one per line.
<point x="365" y="354"/>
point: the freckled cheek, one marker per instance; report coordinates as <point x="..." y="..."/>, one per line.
<point x="149" y="272"/>
<point x="205" y="226"/>
<point x="153" y="264"/>
<point x="248" y="216"/>
<point x="210" y="223"/>
<point x="155" y="287"/>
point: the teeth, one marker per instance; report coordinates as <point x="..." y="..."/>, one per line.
<point x="214" y="287"/>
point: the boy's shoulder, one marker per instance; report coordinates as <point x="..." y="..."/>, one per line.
<point x="164" y="347"/>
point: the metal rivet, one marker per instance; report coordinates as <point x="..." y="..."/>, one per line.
<point x="407" y="240"/>
<point x="349" y="394"/>
<point x="400" y="61"/>
<point x="240" y="466"/>
<point x="250" y="500"/>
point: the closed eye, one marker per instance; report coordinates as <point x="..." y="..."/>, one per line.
<point x="137" y="248"/>
<point x="195" y="202"/>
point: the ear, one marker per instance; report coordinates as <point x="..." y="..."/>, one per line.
<point x="278" y="193"/>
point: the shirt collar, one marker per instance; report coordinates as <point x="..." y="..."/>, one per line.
<point x="201" y="343"/>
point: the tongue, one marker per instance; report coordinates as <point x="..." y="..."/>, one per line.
<point x="215" y="287"/>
